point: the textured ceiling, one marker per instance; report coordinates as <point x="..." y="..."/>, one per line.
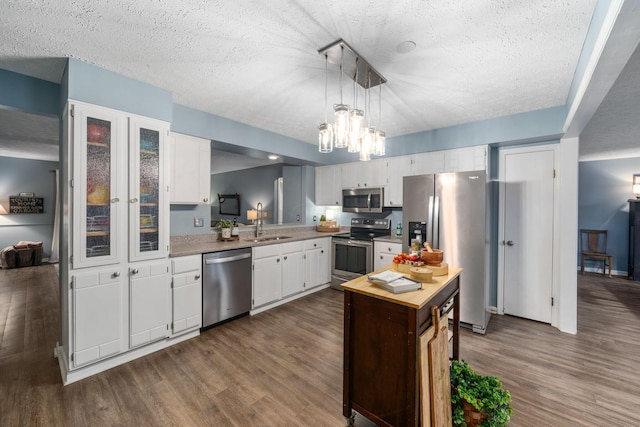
<point x="614" y="130"/>
<point x="256" y="62"/>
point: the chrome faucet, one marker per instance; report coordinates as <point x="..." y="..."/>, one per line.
<point x="259" y="223"/>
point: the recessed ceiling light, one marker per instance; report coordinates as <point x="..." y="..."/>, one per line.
<point x="273" y="157"/>
<point x="406" y="46"/>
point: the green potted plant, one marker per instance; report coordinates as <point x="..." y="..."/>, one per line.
<point x="477" y="400"/>
<point x="225" y="225"/>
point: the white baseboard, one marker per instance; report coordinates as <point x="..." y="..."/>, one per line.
<point x="288" y="299"/>
<point x="624" y="273"/>
<point x="71" y="376"/>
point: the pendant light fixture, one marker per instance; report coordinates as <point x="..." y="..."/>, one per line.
<point x="380" y="140"/>
<point x="348" y="129"/>
<point x="341" y="125"/>
<point x="325" y="135"/>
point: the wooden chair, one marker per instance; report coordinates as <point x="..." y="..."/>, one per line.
<point x="593" y="245"/>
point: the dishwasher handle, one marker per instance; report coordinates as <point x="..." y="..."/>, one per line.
<point x="226" y="259"/>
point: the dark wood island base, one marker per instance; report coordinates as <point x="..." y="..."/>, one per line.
<point x="382" y="346"/>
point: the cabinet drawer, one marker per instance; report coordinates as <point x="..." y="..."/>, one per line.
<point x="387" y="247"/>
<point x="292" y="247"/>
<point x="314" y="244"/>
<point x="187" y="263"/>
<point x="266" y="251"/>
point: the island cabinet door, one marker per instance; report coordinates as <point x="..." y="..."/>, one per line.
<point x="381" y="380"/>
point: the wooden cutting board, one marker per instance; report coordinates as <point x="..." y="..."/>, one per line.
<point x="435" y="386"/>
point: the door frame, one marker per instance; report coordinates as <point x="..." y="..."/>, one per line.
<point x="555" y="245"/>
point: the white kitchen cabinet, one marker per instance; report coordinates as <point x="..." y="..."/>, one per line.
<point x="426" y="163"/>
<point x="149" y="296"/>
<point x="190" y="166"/>
<point x="397" y="168"/>
<point x="186" y="292"/>
<point x="292" y="268"/>
<point x="383" y="253"/>
<point x="316" y="262"/>
<point x="117" y="223"/>
<point x="372" y="173"/>
<point x="466" y="159"/>
<point x="98" y="306"/>
<point x="329" y="185"/>
<point x="117" y="209"/>
<point x="266" y="275"/>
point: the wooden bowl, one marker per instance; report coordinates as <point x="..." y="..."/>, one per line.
<point x="432" y="258"/>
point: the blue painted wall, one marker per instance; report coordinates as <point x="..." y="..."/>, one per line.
<point x="604" y="189"/>
<point x="254" y="185"/>
<point x="98" y="86"/>
<point x="34" y="176"/>
<point x="29" y="94"/>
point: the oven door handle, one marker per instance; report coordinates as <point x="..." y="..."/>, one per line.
<point x="358" y="243"/>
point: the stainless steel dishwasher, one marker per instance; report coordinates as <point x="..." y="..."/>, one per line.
<point x="226" y="285"/>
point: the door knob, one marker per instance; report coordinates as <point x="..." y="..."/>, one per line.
<point x="510" y="243"/>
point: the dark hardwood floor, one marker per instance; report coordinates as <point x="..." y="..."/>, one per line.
<point x="283" y="367"/>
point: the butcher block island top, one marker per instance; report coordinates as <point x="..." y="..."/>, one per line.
<point x="415" y="299"/>
<point x="383" y="332"/>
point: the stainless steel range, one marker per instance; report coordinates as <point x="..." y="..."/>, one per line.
<point x="352" y="253"/>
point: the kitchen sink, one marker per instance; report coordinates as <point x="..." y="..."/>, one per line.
<point x="270" y="238"/>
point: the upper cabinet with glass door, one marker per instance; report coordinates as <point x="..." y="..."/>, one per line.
<point x="148" y="189"/>
<point x="98" y="135"/>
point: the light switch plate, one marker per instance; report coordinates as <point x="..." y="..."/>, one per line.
<point x="198" y="222"/>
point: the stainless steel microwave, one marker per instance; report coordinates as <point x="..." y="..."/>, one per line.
<point x="363" y="200"/>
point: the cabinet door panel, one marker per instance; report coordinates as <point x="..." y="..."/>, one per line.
<point x="292" y="273"/>
<point x="149" y="303"/>
<point x="98" y="135"/>
<point x="190" y="169"/>
<point x="187" y="301"/>
<point x="267" y="280"/>
<point x="148" y="193"/>
<point x="97" y="315"/>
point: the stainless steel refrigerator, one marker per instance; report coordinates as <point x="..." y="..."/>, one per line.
<point x="454" y="207"/>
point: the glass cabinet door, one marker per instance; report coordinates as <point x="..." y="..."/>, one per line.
<point x="148" y="190"/>
<point x="96" y="198"/>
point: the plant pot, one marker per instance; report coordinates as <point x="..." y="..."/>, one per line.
<point x="226" y="233"/>
<point x="472" y="416"/>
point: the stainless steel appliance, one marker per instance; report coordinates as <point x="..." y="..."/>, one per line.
<point x="352" y="253"/>
<point x="455" y="209"/>
<point x="363" y="200"/>
<point x="226" y="285"/>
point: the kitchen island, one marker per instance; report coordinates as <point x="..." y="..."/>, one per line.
<point x="382" y="349"/>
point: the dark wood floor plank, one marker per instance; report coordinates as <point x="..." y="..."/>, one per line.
<point x="283" y="367"/>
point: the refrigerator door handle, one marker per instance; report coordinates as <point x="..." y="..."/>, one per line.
<point x="435" y="242"/>
<point x="430" y="222"/>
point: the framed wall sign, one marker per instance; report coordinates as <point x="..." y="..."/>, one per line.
<point x="26" y="205"/>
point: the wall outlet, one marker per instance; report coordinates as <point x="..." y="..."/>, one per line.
<point x="198" y="222"/>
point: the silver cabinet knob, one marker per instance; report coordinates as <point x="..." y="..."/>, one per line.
<point x="115" y="200"/>
<point x="135" y="271"/>
<point x="197" y="276"/>
<point x="510" y="243"/>
<point x="205" y="200"/>
<point x="134" y="200"/>
<point x="116" y="274"/>
<point x="278" y="260"/>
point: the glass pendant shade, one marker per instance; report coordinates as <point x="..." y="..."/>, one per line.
<point x="368" y="143"/>
<point x="380" y="142"/>
<point x="356" y="120"/>
<point x="325" y="138"/>
<point x="341" y="125"/>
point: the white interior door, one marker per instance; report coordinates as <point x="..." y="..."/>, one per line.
<point x="526" y="231"/>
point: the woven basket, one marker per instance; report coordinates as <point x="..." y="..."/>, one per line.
<point x="472" y="416"/>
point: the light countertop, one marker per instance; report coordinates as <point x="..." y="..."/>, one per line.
<point x="413" y="299"/>
<point x="204" y="243"/>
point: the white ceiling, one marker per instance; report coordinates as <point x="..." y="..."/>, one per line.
<point x="256" y="62"/>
